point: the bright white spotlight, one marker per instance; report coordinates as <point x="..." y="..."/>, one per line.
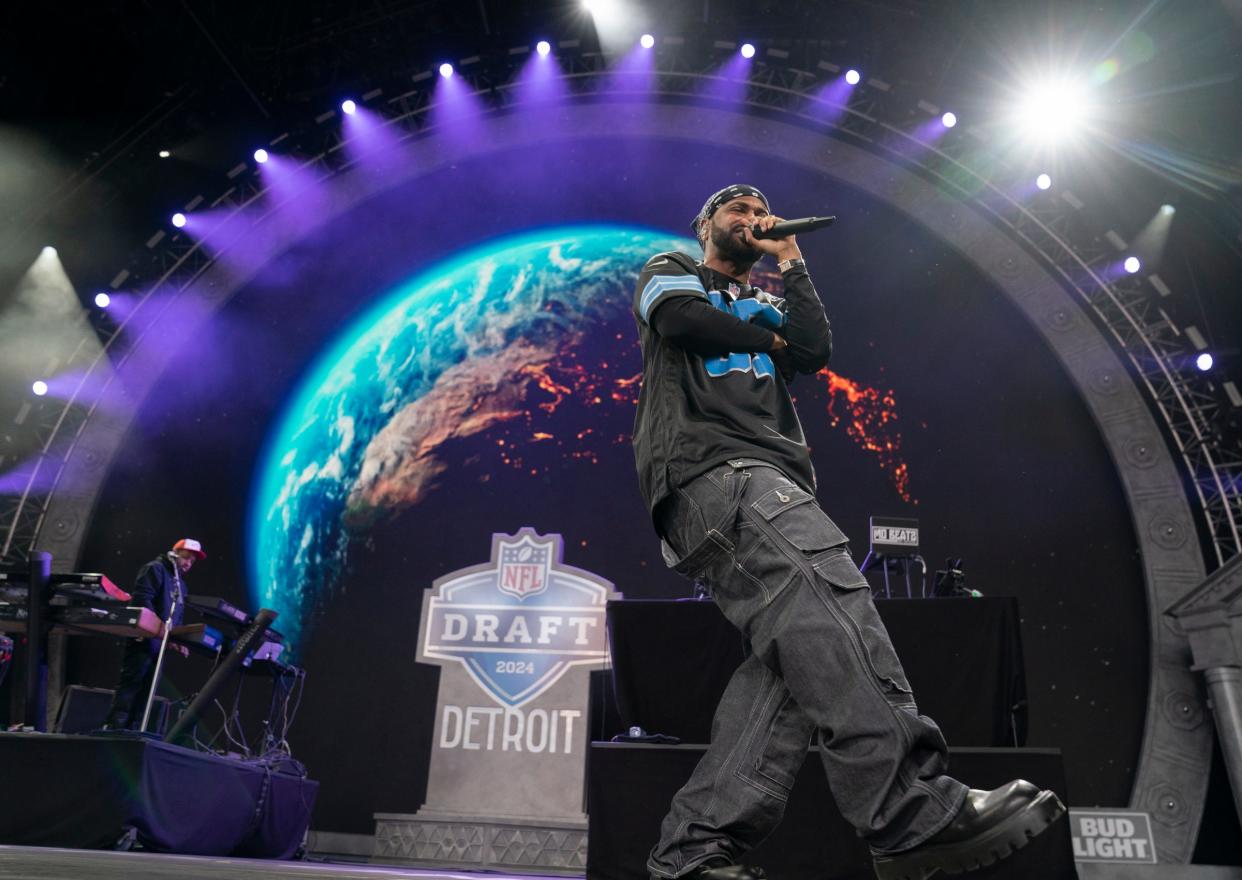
<point x="949" y="119"/>
<point x="260" y="155"/>
<point x="600" y="8"/>
<point x="446" y="70"/>
<point x="348" y="107"/>
<point x="1204" y="361"/>
<point x="1052" y="111"/>
<point x="853" y="77"/>
<point x="1044" y="181"/>
<point x="39" y="387"/>
<point x="748" y="50"/>
<point x="49" y="251"/>
<point x="1168" y="210"/>
<point x="164" y="154"/>
<point x="178" y="219"/>
<point x="646" y="41"/>
<point x="543" y="47"/>
<point x="1132" y="265"/>
<point x="102" y="300"/>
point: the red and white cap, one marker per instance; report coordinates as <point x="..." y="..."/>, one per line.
<point x="192" y="546"/>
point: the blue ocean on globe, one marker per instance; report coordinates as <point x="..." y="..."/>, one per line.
<point x="444" y="356"/>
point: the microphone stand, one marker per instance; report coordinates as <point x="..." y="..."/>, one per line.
<point x="159" y="660"/>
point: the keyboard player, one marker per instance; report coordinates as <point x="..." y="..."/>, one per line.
<point x="160" y="584"/>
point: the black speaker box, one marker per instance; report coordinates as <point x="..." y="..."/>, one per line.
<point x="84" y="709"/>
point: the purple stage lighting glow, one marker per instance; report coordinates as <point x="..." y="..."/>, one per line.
<point x="646" y="41"/>
<point x="853" y="77"/>
<point x="538" y="82"/>
<point x="348" y="107"/>
<point x="748" y="50"/>
<point x="634" y="71"/>
<point x="543" y="47"/>
<point x="1043" y="181"/>
<point x="949" y="119"/>
<point x="446" y="70"/>
<point x="103" y="300"/>
<point x="39" y="387"/>
<point x="372" y="142"/>
<point x="260" y="155"/>
<point x="1132" y="265"/>
<point x="1204" y="361"/>
<point x="178" y="219"/>
<point x="458" y="112"/>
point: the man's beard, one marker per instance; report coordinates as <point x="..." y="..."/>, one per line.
<point x="733" y="248"/>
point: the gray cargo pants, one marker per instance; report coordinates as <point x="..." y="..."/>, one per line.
<point x="820" y="663"/>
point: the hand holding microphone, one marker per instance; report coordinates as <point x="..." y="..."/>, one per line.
<point x="782" y="228"/>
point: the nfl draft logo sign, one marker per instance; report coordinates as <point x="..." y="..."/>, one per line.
<point x="515" y="639"/>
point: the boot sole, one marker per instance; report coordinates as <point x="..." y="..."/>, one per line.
<point x="985" y="849"/>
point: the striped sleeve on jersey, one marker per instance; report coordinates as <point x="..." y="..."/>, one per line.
<point x="655" y="289"/>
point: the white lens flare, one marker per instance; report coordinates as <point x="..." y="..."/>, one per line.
<point x="1052" y="111"/>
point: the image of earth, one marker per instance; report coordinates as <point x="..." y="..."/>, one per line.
<point x="478" y="340"/>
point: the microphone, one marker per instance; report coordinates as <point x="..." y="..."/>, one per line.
<point x="794" y="227"/>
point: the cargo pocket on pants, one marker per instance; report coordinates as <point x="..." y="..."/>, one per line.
<point x="796" y="517"/>
<point x="853" y="595"/>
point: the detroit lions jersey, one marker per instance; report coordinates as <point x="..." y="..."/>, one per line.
<point x="696" y="412"/>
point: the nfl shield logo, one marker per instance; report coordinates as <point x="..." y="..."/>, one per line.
<point x="524" y="567"/>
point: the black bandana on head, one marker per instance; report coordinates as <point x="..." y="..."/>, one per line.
<point x="727" y="194"/>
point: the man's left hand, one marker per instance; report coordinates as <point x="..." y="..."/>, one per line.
<point x="782" y="248"/>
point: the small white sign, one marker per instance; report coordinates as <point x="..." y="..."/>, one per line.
<point x="1112" y="836"/>
<point x="904" y="537"/>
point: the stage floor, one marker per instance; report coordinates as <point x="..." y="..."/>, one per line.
<point x="46" y="863"/>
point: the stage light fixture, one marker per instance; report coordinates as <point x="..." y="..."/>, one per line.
<point x="949" y="119"/>
<point x="102" y="300"/>
<point x="748" y="50"/>
<point x="543" y="47"/>
<point x="164" y="154"/>
<point x="260" y="155"/>
<point x="1204" y="361"/>
<point x="1168" y="210"/>
<point x="1043" y="181"/>
<point x="446" y="70"/>
<point x="646" y="41"/>
<point x="39" y="387"/>
<point x="49" y="251"/>
<point x="178" y="219"/>
<point x="1132" y="265"/>
<point x="1052" y="111"/>
<point x="853" y="77"/>
<point x="349" y="107"/>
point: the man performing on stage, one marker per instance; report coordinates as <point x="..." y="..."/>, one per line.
<point x="160" y="586"/>
<point x="726" y="473"/>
